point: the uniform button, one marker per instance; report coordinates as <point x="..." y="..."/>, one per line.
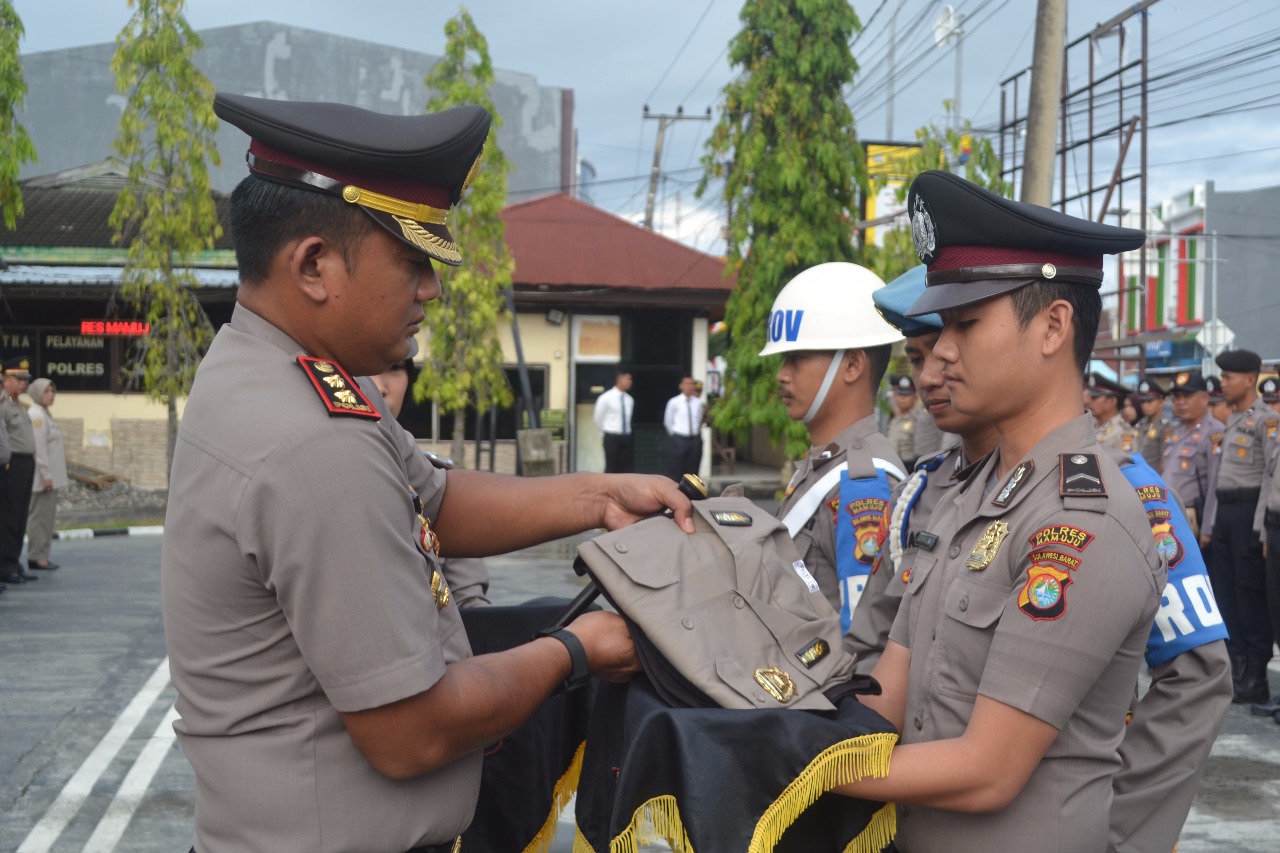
<point x="687" y="622"/>
<point x="964" y="604"/>
<point x="620" y="547"/>
<point x="934" y="635"/>
<point x="918" y="723"/>
<point x="954" y="552"/>
<point x="759" y="697"/>
<point x="738" y="602"/>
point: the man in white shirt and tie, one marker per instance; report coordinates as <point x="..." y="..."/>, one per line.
<point x="683" y="421"/>
<point x="613" y="414"/>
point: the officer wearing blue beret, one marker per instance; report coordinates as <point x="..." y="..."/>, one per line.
<point x="1016" y="650"/>
<point x="327" y="694"/>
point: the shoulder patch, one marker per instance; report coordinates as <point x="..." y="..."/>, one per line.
<point x="37" y="422"/>
<point x="1015" y="481"/>
<point x="1273" y="424"/>
<point x="1044" y="597"/>
<point x="1062" y="534"/>
<point x="1079" y="476"/>
<point x="337" y="389"/>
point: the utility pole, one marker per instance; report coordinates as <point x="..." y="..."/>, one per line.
<point x="1046" y="93"/>
<point x="664" y="121"/>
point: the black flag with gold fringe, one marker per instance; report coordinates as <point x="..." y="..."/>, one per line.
<point x="530" y="775"/>
<point x="718" y="780"/>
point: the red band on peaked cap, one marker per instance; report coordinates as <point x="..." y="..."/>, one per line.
<point x="958" y="257"/>
<point x="398" y="187"/>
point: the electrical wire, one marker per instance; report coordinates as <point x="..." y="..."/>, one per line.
<point x="680" y="52"/>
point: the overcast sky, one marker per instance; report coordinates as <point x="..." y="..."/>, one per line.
<point x="618" y="55"/>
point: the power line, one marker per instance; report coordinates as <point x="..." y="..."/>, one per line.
<point x="680" y="52"/>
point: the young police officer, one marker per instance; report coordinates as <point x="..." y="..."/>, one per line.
<point x="914" y="500"/>
<point x="835" y="349"/>
<point x="1014" y="655"/>
<point x="327" y="695"/>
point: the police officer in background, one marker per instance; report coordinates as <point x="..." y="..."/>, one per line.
<point x="835" y="349"/>
<point x="1218" y="405"/>
<point x="1189" y="457"/>
<point x="1152" y="428"/>
<point x="15" y="492"/>
<point x="1236" y="565"/>
<point x="1105" y="399"/>
<point x="1269" y="390"/>
<point x="902" y="425"/>
<point x="327" y="696"/>
<point x="1018" y="643"/>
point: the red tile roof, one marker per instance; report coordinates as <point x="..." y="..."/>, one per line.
<point x="559" y="241"/>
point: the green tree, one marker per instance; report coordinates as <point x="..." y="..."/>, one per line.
<point x="786" y="148"/>
<point x="15" y="145"/>
<point x="166" y="211"/>
<point x="941" y="147"/>
<point x="464" y="363"/>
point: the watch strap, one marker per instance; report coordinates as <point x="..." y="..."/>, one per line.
<point x="577" y="654"/>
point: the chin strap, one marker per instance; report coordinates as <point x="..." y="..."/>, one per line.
<point x="836" y="360"/>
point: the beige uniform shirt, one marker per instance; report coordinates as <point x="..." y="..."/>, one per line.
<point x="296" y="584"/>
<point x="902" y="435"/>
<point x="1150" y="439"/>
<point x="929" y="440"/>
<point x="51" y="457"/>
<point x="1243" y="449"/>
<point x="816" y="541"/>
<point x="876" y="610"/>
<point x="22" y="438"/>
<point x="1269" y="496"/>
<point x="1042" y="602"/>
<point x="1117" y="435"/>
<point x="1189" y="459"/>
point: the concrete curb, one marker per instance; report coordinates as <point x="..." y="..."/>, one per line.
<point x="91" y="533"/>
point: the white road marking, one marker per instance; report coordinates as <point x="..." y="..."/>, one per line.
<point x="78" y="788"/>
<point x="134" y="787"/>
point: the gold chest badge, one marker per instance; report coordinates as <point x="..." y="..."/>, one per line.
<point x="986" y="548"/>
<point x="776" y="683"/>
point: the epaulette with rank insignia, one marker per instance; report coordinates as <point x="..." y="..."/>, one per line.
<point x="1080" y="476"/>
<point x="337" y="389"/>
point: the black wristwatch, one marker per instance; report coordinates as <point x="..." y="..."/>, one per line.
<point x="577" y="654"/>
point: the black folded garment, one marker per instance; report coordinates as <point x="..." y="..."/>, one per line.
<point x="530" y="775"/>
<point x="717" y="780"/>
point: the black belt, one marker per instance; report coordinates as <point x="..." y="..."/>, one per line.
<point x="1271" y="518"/>
<point x="25" y="455"/>
<point x="1238" y="496"/>
<point x="446" y="847"/>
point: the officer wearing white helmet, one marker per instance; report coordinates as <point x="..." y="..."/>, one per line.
<point x="835" y="348"/>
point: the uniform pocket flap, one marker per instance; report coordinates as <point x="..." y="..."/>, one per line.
<point x="975" y="604"/>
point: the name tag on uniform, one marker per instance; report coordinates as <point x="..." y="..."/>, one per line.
<point x="803" y="572"/>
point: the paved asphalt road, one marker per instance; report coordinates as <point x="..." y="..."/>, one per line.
<point x="88" y="761"/>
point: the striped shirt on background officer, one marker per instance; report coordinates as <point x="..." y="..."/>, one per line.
<point x="835" y="349"/>
<point x="1236" y="565"/>
<point x="1153" y="428"/>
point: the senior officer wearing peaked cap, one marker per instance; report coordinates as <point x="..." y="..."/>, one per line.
<point x="327" y="697"/>
<point x="1014" y="655"/>
<point x="1190" y="457"/>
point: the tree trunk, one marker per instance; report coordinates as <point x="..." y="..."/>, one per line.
<point x="458" y="448"/>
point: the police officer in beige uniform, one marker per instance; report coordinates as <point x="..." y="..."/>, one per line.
<point x="1236" y="565"/>
<point x="903" y="423"/>
<point x="1269" y="391"/>
<point x="1015" y="652"/>
<point x="1153" y="429"/>
<point x="1189" y="458"/>
<point x="835" y="349"/>
<point x="1105" y="398"/>
<point x="914" y="499"/>
<point x="327" y="698"/>
<point x="15" y="489"/>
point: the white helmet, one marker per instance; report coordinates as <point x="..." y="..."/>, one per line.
<point x="828" y="307"/>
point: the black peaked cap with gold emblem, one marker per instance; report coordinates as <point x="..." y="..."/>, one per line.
<point x="1100" y="385"/>
<point x="1269" y="388"/>
<point x="406" y="172"/>
<point x="1189" y="382"/>
<point x="978" y="244"/>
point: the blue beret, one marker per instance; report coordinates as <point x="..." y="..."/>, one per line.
<point x="897" y="296"/>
